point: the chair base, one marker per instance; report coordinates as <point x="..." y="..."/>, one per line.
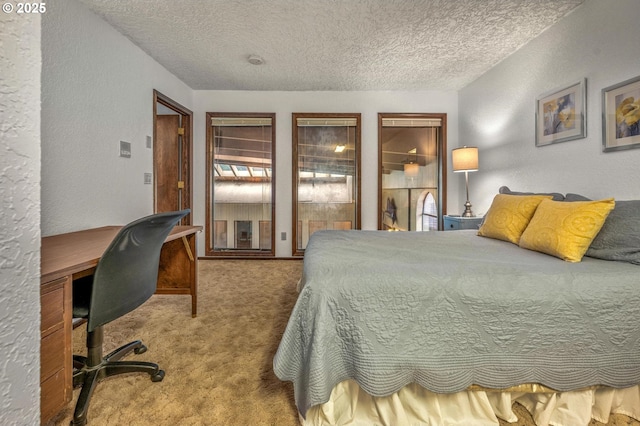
<point x="88" y="376"/>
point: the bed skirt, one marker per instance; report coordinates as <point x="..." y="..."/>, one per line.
<point x="414" y="405"/>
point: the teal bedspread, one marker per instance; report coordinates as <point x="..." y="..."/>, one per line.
<point x="451" y="309"/>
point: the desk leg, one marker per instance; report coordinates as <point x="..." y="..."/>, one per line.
<point x="189" y="247"/>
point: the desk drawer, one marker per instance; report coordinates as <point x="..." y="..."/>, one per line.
<point x="55" y="347"/>
<point x="51" y="303"/>
<point x="54" y="395"/>
<point x="52" y="352"/>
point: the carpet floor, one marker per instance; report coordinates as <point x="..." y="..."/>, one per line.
<point x="219" y="364"/>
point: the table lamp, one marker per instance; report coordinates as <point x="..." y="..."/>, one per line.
<point x="465" y="160"/>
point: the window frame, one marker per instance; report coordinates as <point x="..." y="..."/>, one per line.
<point x="210" y="176"/>
<point x="441" y="200"/>
<point x="295" y="170"/>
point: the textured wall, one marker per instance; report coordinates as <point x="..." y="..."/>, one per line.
<point x="19" y="219"/>
<point x="598" y="41"/>
<point x="369" y="104"/>
<point x="97" y="89"/>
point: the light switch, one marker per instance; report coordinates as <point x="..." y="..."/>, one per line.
<point x="125" y="149"/>
<point x="148" y="177"/>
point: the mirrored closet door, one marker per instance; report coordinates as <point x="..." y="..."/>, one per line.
<point x="412" y="171"/>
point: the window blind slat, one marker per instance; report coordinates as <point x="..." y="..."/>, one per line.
<point x="239" y="121"/>
<point x="411" y="122"/>
<point x="326" y="122"/>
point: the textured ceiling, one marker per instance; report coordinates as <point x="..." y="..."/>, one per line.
<point x="330" y="44"/>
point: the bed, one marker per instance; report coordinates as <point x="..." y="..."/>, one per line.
<point x="452" y="328"/>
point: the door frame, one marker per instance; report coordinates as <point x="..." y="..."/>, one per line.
<point x="187" y="152"/>
<point x="442" y="160"/>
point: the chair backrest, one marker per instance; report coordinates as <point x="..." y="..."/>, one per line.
<point x="127" y="272"/>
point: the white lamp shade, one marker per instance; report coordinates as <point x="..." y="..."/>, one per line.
<point x="465" y="159"/>
<point x="411" y="169"/>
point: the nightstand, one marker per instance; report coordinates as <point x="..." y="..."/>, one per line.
<point x="453" y="223"/>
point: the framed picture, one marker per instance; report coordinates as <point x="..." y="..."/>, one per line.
<point x="561" y="114"/>
<point x="621" y="116"/>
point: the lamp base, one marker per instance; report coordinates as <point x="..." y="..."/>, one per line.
<point x="467" y="210"/>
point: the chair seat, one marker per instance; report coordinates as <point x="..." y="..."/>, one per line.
<point x="82" y="296"/>
<point x="81" y="312"/>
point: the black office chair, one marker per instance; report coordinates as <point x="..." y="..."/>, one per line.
<point x="126" y="276"/>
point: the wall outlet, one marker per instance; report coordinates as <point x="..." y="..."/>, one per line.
<point x="148" y="178"/>
<point x="283" y="236"/>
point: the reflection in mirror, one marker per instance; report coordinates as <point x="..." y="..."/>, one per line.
<point x="410" y="173"/>
<point x="326" y="152"/>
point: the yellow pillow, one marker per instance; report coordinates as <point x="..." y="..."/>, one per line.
<point x="509" y="216"/>
<point x="566" y="229"/>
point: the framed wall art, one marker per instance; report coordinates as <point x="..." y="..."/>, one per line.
<point x="561" y="114"/>
<point x="621" y="116"/>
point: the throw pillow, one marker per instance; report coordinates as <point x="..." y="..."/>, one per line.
<point x="575" y="197"/>
<point x="619" y="238"/>
<point x="565" y="230"/>
<point x="556" y="195"/>
<point x="509" y="216"/>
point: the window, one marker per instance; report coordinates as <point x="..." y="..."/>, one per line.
<point x="326" y="174"/>
<point x="240" y="191"/>
<point x="427" y="216"/>
<point x="412" y="171"/>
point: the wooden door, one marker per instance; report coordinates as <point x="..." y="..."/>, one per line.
<point x="167" y="155"/>
<point x="172" y="156"/>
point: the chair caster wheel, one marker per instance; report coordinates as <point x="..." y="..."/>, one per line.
<point x="142" y="349"/>
<point x="158" y="376"/>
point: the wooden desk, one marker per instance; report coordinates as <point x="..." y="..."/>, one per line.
<point x="76" y="254"/>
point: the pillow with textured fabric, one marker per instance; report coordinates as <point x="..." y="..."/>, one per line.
<point x="565" y="230"/>
<point x="556" y="195"/>
<point x="619" y="238"/>
<point x="509" y="216"/>
<point x="575" y="197"/>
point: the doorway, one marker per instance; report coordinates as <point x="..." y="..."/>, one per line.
<point x="411" y="171"/>
<point x="172" y="150"/>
